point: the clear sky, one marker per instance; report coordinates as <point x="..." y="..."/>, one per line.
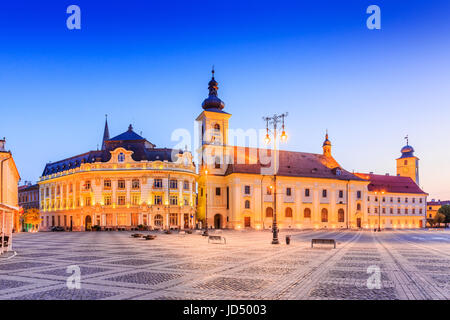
<point x="148" y="63"/>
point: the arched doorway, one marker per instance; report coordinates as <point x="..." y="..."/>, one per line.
<point x="218" y="221"/>
<point x="88" y="223"/>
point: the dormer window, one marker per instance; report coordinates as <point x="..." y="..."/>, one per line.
<point x="121" y="157"/>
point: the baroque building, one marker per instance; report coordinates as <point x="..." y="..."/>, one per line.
<point x="9" y="209"/>
<point x="235" y="185"/>
<point x="126" y="184"/>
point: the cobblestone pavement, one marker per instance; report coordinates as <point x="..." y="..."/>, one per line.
<point x="412" y="265"/>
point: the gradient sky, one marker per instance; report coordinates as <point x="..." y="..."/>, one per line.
<point x="148" y="63"/>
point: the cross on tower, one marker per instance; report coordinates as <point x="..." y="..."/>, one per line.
<point x="407" y="140"/>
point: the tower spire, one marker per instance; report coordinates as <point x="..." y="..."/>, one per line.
<point x="105" y="133"/>
<point x="213" y="102"/>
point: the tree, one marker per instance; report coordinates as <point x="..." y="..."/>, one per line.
<point x="32" y="217"/>
<point x="445" y="211"/>
<point x="439" y="218"/>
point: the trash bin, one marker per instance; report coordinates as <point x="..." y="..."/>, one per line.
<point x="288" y="239"/>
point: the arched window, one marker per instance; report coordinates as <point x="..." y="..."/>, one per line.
<point x="269" y="212"/>
<point x="247" y="204"/>
<point x="217" y="127"/>
<point x="406" y="162"/>
<point x="341" y="217"/>
<point x="158" y="220"/>
<point x="288" y="212"/>
<point x="307" y="213"/>
<point x="358" y="207"/>
<point x="121" y="157"/>
<point x="324" y="215"/>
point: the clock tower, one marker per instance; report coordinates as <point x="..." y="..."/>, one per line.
<point x="213" y="127"/>
<point x="408" y="164"/>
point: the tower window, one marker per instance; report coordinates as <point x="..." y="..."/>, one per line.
<point x="406" y="162"/>
<point x="121" y="157"/>
<point x="217" y="191"/>
<point x="247" y="204"/>
<point x="288" y="191"/>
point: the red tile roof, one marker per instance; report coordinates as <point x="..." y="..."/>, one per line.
<point x="391" y="184"/>
<point x="291" y="164"/>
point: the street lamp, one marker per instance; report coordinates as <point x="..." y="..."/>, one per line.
<point x="275" y="120"/>
<point x="379" y="211"/>
<point x="205" y="233"/>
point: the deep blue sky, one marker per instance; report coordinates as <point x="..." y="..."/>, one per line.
<point x="148" y="63"/>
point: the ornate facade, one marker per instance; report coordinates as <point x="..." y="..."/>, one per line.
<point x="313" y="191"/>
<point x="9" y="209"/>
<point x="127" y="184"/>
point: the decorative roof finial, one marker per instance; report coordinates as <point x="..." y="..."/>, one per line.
<point x="130" y="128"/>
<point x="407" y="140"/>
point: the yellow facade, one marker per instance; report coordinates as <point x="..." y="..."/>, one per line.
<point x="121" y="193"/>
<point x="9" y="208"/>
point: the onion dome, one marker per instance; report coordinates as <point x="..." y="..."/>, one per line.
<point x="407" y="151"/>
<point x="326" y="142"/>
<point x="213" y="102"/>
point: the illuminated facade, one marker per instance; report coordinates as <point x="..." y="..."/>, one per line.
<point x="235" y="185"/>
<point x="9" y="209"/>
<point x="127" y="184"/>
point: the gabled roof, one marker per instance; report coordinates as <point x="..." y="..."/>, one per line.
<point x="391" y="184"/>
<point x="291" y="164"/>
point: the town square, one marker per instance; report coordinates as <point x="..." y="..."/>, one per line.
<point x="244" y="155"/>
<point x="413" y="266"/>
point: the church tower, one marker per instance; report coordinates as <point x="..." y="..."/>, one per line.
<point x="408" y="164"/>
<point x="326" y="146"/>
<point x="213" y="131"/>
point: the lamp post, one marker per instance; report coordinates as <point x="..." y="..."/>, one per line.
<point x="379" y="210"/>
<point x="275" y="120"/>
<point x="205" y="233"/>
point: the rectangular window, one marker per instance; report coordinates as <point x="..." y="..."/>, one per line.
<point x="288" y="192"/>
<point x="173" y="200"/>
<point x="157" y="183"/>
<point x="384" y="210"/>
<point x="392" y="199"/>
<point x="306" y="192"/>
<point x="391" y="210"/>
<point x="87" y="201"/>
<point x="358" y="194"/>
<point x="228" y="198"/>
<point x="398" y="211"/>
<point x="398" y="200"/>
<point x="269" y="190"/>
<point x="406" y="210"/>
<point x="107" y="200"/>
<point x="324" y="193"/>
<point x="406" y="200"/>
<point x="107" y="184"/>
<point x="158" y="200"/>
<point x="173" y="184"/>
<point x="121" y="184"/>
<point x="186" y="185"/>
<point x="135" y="199"/>
<point x="384" y="199"/>
<point x="420" y="200"/>
<point x="341" y="194"/>
<point x="87" y="185"/>
<point x="414" y="200"/>
<point x="247" y="189"/>
<point x="121" y="200"/>
<point x="217" y="191"/>
<point x="135" y="184"/>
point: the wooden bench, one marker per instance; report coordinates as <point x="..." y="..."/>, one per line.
<point x="217" y="239"/>
<point x="149" y="237"/>
<point x="323" y="241"/>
